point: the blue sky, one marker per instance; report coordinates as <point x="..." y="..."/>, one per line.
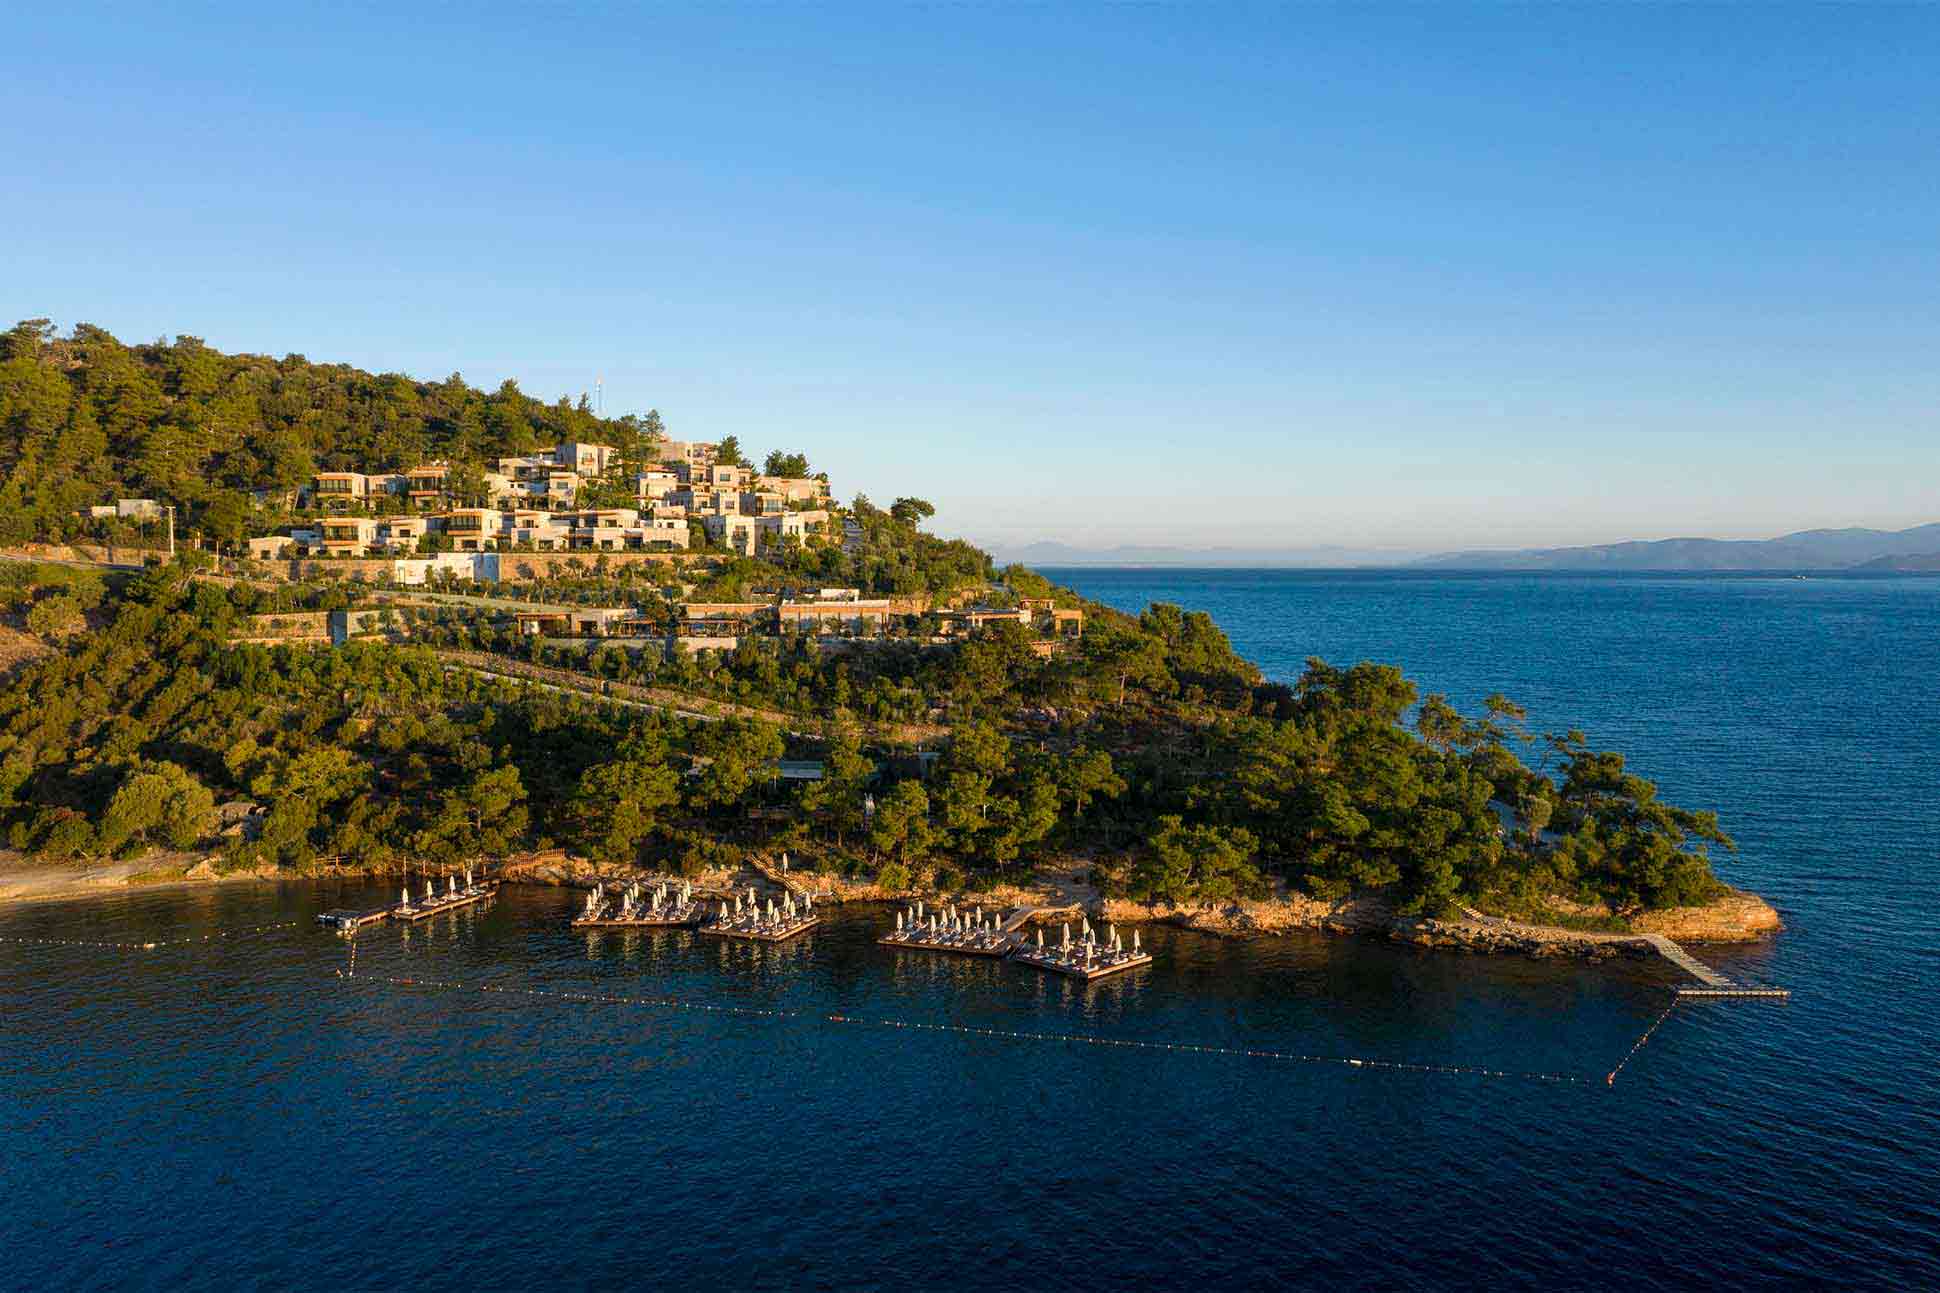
<point x="1421" y="277"/>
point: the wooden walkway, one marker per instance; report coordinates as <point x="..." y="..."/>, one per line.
<point x="1715" y="983"/>
<point x="1023" y="916"/>
<point x="799" y="885"/>
<point x="1684" y="961"/>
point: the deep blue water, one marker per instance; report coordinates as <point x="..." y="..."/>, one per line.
<point x="236" y="1115"/>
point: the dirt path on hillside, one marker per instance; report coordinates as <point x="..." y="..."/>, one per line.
<point x="677" y="702"/>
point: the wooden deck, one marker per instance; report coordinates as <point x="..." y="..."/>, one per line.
<point x="1104" y="965"/>
<point x="344" y="919"/>
<point x="766" y="932"/>
<point x="917" y="943"/>
<point x="639" y="922"/>
<point x="410" y="913"/>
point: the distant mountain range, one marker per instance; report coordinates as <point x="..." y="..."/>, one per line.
<point x="1855" y="549"/>
<point x="1850" y="549"/>
<point x="1065" y="554"/>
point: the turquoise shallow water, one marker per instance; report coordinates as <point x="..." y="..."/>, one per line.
<point x="236" y="1114"/>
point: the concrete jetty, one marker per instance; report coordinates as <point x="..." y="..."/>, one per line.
<point x="747" y="917"/>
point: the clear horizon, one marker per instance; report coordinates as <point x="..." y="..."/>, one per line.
<point x="1397" y="279"/>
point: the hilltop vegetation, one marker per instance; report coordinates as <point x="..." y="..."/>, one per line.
<point x="1168" y="763"/>
<point x="85" y="418"/>
<point x="1149" y="749"/>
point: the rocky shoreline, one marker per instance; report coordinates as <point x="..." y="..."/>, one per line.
<point x="1736" y="917"/>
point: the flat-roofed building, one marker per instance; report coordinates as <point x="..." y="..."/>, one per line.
<point x="665" y="532"/>
<point x="741" y="533"/>
<point x="855" y="615"/>
<point x="347" y="536"/>
<point x="605" y="529"/>
<point x="424" y="484"/>
<point x="973" y="619"/>
<point x="471" y="529"/>
<point x="401" y="533"/>
<point x="1047" y="617"/>
<point x="585" y="458"/>
<point x="723" y="619"/>
<point x="340" y="489"/>
<point x="690" y="452"/>
<point x="655" y="484"/>
<point x="789" y="525"/>
<point x="271" y="546"/>
<point x="584" y="621"/>
<point x="796" y="489"/>
<point x="535" y="528"/>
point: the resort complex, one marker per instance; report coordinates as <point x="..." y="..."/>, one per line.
<point x="538" y="503"/>
<point x="297" y="616"/>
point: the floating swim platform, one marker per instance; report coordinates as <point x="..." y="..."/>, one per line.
<point x="970" y="933"/>
<point x="745" y="917"/>
<point x="1084" y="957"/>
<point x="434" y="903"/>
<point x="765" y="933"/>
<point x="346" y="920"/>
<point x="1103" y="965"/>
<point x="662" y="907"/>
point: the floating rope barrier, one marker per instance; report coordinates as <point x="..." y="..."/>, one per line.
<point x="1001" y="1034"/>
<point x="1611" y="1080"/>
<point x="185" y="941"/>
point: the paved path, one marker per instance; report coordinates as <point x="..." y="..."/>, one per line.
<point x="799" y="885"/>
<point x="673" y="702"/>
<point x="69" y="562"/>
<point x="1665" y="947"/>
<point x="1015" y="922"/>
<point x="1697" y="969"/>
<point x="589" y="690"/>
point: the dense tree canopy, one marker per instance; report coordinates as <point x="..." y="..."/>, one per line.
<point x="1148" y="747"/>
<point x="85" y="419"/>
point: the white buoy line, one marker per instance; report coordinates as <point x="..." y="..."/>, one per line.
<point x="186" y="940"/>
<point x="565" y="996"/>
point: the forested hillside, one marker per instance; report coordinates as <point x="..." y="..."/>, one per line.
<point x="85" y="418"/>
<point x="1146" y="749"/>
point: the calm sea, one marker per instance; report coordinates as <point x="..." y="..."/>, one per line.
<point x="237" y="1114"/>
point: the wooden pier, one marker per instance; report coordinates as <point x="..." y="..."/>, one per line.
<point x="346" y="920"/>
<point x="434" y="903"/>
<point x="745" y="917"/>
<point x="1736" y="990"/>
